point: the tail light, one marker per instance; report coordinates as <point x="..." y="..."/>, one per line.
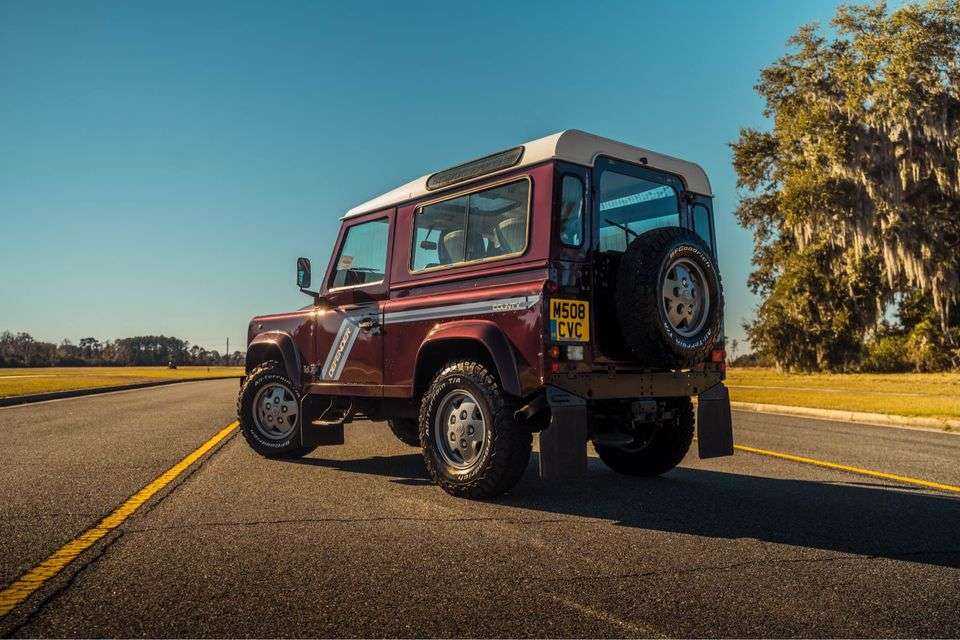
<point x="719" y="357"/>
<point x="550" y="287"/>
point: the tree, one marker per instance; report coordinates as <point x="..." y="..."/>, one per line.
<point x="853" y="196"/>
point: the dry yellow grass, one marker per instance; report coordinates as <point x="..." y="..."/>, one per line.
<point x="18" y="382"/>
<point x="935" y="395"/>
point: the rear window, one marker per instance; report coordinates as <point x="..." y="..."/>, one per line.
<point x="629" y="206"/>
<point x="483" y="225"/>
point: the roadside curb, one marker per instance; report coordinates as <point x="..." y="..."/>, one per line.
<point x="10" y="401"/>
<point x="881" y="419"/>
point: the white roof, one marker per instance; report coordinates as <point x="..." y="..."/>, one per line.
<point x="571" y="145"/>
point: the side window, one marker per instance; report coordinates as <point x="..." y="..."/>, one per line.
<point x="571" y="211"/>
<point x="478" y="226"/>
<point x="439" y="234"/>
<point x="363" y="255"/>
<point x="701" y="223"/>
<point x="630" y="206"/>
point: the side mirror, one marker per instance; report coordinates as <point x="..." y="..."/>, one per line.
<point x="303" y="273"/>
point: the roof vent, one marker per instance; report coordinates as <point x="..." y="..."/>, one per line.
<point x="475" y="168"/>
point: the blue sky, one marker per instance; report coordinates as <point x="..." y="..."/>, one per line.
<point x="163" y="164"/>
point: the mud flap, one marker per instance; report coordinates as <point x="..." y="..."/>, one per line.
<point x="714" y="425"/>
<point x="313" y="432"/>
<point x="312" y="435"/>
<point x="563" y="444"/>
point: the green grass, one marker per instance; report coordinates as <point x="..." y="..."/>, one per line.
<point x="933" y="395"/>
<point x="18" y="382"/>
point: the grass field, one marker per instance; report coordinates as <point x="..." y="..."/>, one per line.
<point x="934" y="395"/>
<point x="18" y="382"/>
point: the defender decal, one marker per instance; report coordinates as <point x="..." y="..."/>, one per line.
<point x="341" y="346"/>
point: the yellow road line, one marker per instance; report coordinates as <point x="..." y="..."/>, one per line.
<point x="927" y="484"/>
<point x="25" y="585"/>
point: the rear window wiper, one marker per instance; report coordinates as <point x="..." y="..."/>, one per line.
<point x="623" y="226"/>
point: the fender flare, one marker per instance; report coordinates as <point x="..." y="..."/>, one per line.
<point x="490" y="337"/>
<point x="281" y="342"/>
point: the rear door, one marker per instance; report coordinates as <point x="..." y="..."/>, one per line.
<point x="628" y="200"/>
<point x="349" y="326"/>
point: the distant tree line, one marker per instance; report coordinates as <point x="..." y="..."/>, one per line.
<point x="22" y="350"/>
<point x="853" y="194"/>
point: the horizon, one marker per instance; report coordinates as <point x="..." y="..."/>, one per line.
<point x="150" y="147"/>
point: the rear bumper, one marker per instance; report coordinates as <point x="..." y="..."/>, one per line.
<point x="563" y="444"/>
<point x="605" y="386"/>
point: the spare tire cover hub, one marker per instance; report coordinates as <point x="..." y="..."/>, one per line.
<point x="685" y="296"/>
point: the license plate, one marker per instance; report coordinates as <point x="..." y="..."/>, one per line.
<point x="569" y="320"/>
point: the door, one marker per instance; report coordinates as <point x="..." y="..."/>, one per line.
<point x="349" y="337"/>
<point x="628" y="200"/>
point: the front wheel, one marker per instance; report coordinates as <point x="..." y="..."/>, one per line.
<point x="269" y="412"/>
<point x="656" y="453"/>
<point x="472" y="446"/>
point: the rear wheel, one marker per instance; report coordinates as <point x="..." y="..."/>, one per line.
<point x="657" y="448"/>
<point x="268" y="408"/>
<point x="472" y="446"/>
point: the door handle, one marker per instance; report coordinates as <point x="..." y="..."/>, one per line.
<point x="368" y="324"/>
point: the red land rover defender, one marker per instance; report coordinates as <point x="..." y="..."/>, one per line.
<point x="566" y="287"/>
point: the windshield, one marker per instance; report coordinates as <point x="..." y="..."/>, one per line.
<point x="629" y="206"/>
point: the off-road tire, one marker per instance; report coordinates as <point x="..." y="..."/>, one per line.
<point x="506" y="448"/>
<point x="646" y="331"/>
<point x="270" y="371"/>
<point x="407" y="430"/>
<point x="664" y="452"/>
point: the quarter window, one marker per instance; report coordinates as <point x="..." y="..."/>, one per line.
<point x="629" y="206"/>
<point x="363" y="255"/>
<point x="701" y="223"/>
<point x="571" y="211"/>
<point x="483" y="225"/>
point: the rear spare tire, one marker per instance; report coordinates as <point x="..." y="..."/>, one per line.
<point x="668" y="297"/>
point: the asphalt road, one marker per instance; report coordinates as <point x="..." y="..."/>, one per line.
<point x="355" y="541"/>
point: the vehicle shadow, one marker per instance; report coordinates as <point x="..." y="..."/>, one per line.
<point x="404" y="469"/>
<point x="885" y="520"/>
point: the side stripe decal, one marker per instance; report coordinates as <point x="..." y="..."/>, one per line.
<point x="346" y="336"/>
<point x="463" y="309"/>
